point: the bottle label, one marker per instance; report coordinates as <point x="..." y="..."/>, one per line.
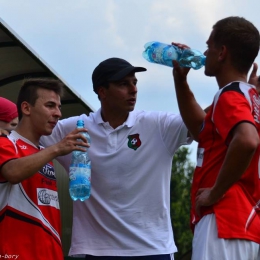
<point x="163" y="54"/>
<point x="157" y="55"/>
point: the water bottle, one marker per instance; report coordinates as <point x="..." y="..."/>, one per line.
<point x="80" y="171"/>
<point x="161" y="53"/>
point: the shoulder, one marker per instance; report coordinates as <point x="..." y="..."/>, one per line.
<point x="7" y="139"/>
<point x="235" y="92"/>
<point x="72" y="119"/>
<point x="160" y="118"/>
<point x="4" y="140"/>
<point x="8" y="143"/>
<point x="238" y="87"/>
<point x="68" y="124"/>
<point x="153" y="114"/>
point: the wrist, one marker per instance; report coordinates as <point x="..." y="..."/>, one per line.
<point x="216" y="194"/>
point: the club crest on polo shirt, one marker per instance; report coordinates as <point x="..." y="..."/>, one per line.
<point x="134" y="141"/>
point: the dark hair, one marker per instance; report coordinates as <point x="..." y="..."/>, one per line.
<point x="29" y="93"/>
<point x="241" y="38"/>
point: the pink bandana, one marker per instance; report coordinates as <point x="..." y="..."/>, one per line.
<point x="8" y="110"/>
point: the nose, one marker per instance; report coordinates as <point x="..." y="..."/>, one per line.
<point x="133" y="88"/>
<point x="57" y="113"/>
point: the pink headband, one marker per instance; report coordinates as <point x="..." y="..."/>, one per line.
<point x="8" y="110"/>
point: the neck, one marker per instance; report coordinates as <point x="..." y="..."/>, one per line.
<point x="230" y="76"/>
<point x="114" y="119"/>
<point x="26" y="132"/>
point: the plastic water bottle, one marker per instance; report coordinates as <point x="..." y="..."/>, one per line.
<point x="161" y="53"/>
<point x="80" y="171"/>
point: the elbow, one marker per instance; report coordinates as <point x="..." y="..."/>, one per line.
<point x="194" y="136"/>
<point x="246" y="138"/>
<point x="194" y="132"/>
<point x="14" y="181"/>
<point x="11" y="177"/>
<point x="251" y="144"/>
<point x="255" y="144"/>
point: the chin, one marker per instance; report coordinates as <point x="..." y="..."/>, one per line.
<point x="207" y="73"/>
<point x="131" y="108"/>
<point x="47" y="132"/>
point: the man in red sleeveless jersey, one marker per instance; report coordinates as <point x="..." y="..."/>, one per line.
<point x="226" y="187"/>
<point x="29" y="206"/>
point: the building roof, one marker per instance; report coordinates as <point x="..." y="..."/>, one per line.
<point x="19" y="61"/>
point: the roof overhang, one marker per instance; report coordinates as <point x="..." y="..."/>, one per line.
<point x="18" y="61"/>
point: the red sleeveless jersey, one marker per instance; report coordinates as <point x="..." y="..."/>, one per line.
<point x="29" y="211"/>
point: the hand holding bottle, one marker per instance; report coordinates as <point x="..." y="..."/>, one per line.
<point x="180" y="45"/>
<point x="74" y="141"/>
<point x="180" y="73"/>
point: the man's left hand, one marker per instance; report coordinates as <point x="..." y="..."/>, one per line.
<point x="204" y="198"/>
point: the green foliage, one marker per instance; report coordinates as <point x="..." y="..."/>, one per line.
<point x="182" y="171"/>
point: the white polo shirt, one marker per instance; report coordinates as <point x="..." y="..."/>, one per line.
<point x="128" y="213"/>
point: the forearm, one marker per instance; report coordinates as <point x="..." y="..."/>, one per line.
<point x="20" y="169"/>
<point x="191" y="112"/>
<point x="237" y="160"/>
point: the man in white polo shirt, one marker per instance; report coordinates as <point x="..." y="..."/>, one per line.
<point x="128" y="213"/>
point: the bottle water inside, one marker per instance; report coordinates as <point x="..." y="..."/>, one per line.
<point x="80" y="172"/>
<point x="164" y="54"/>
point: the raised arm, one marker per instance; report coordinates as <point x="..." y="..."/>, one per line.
<point x="191" y="112"/>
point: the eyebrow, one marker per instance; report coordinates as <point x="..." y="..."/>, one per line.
<point x="52" y="103"/>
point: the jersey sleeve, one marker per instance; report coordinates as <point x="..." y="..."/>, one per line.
<point x="231" y="109"/>
<point x="7" y="152"/>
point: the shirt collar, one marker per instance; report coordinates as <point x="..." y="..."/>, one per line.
<point x="130" y="121"/>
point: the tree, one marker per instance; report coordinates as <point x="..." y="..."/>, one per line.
<point x="182" y="171"/>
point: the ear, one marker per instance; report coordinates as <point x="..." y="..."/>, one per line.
<point x="102" y="92"/>
<point x="223" y="53"/>
<point x="26" y="108"/>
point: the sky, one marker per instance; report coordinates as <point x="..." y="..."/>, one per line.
<point x="73" y="36"/>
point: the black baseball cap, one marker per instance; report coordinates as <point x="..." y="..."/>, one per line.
<point x="112" y="69"/>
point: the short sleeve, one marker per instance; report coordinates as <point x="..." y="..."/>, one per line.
<point x="231" y="109"/>
<point x="7" y="152"/>
<point x="173" y="130"/>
